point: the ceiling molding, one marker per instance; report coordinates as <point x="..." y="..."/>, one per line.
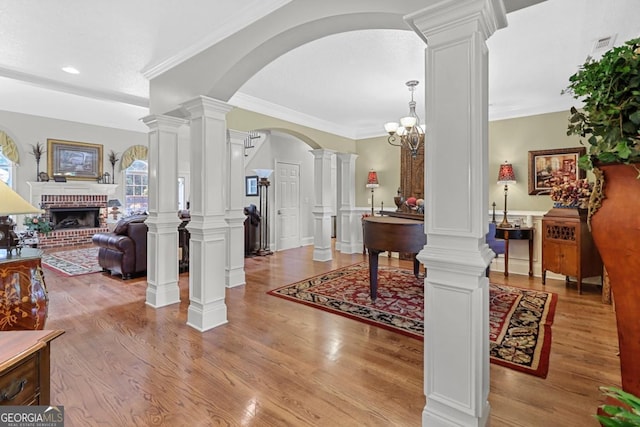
<point x="242" y="18"/>
<point x="51" y="84"/>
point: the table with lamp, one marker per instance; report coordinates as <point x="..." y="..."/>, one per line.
<point x="507" y="231"/>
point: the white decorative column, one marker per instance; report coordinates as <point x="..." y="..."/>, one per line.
<point x="208" y="226"/>
<point x="234" y="268"/>
<point x="163" y="221"/>
<point x="348" y="219"/>
<point x="322" y="209"/>
<point x="456" y="351"/>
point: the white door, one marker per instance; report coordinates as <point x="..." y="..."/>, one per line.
<point x="288" y="205"/>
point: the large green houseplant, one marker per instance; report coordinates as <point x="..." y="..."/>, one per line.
<point x="609" y="121"/>
<point x="610" y="118"/>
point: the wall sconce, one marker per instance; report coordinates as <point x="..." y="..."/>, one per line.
<point x="506" y="176"/>
<point x="372" y="182"/>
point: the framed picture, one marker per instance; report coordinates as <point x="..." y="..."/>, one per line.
<point x="547" y="167"/>
<point x="74" y="160"/>
<point x="251" y="185"/>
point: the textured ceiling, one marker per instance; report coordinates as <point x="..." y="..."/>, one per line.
<point x="347" y="83"/>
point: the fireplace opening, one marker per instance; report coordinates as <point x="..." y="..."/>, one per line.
<point x="65" y="218"/>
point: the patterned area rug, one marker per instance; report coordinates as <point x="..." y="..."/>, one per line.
<point x="519" y="319"/>
<point x="73" y="262"/>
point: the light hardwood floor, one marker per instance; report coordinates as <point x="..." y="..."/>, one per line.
<point x="278" y="363"/>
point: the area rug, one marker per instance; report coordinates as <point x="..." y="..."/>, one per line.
<point x="73" y="262"/>
<point x="519" y="319"/>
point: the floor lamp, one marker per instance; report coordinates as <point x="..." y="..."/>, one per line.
<point x="506" y="176"/>
<point x="372" y="182"/>
<point x="263" y="191"/>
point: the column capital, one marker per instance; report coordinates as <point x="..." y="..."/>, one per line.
<point x="237" y="135"/>
<point x="322" y="153"/>
<point x="484" y="16"/>
<point x="205" y="106"/>
<point x="347" y="157"/>
<point x="160" y="122"/>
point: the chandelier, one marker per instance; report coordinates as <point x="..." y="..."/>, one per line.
<point x="408" y="133"/>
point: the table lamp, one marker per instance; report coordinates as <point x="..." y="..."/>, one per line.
<point x="12" y="204"/>
<point x="372" y="182"/>
<point x="506" y="176"/>
<point x="114" y="204"/>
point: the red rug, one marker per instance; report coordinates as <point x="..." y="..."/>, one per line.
<point x="519" y="319"/>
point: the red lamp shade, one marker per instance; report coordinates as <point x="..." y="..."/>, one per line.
<point x="506" y="174"/>
<point x="372" y="179"/>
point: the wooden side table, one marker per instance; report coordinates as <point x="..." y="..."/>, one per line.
<point x="25" y="367"/>
<point x="516" y="233"/>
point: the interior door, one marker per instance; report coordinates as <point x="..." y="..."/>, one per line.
<point x="288" y="205"/>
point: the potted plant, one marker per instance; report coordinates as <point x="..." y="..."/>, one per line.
<point x="610" y="124"/>
<point x="37" y="151"/>
<point x="625" y="415"/>
<point x="113" y="159"/>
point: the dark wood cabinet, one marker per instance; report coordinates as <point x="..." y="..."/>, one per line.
<point x="567" y="246"/>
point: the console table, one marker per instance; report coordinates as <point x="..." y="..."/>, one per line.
<point x="25" y="360"/>
<point x="515" y="233"/>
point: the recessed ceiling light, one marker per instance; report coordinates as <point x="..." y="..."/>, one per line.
<point x="70" y="70"/>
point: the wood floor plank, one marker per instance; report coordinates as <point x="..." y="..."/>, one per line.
<point x="279" y="363"/>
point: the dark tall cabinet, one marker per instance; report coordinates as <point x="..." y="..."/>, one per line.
<point x="567" y="246"/>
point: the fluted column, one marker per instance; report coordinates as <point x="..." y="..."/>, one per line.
<point x="456" y="374"/>
<point x="234" y="268"/>
<point x="208" y="226"/>
<point x="348" y="219"/>
<point x="163" y="221"/>
<point x="322" y="210"/>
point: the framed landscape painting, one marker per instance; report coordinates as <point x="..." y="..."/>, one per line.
<point x="74" y="160"/>
<point x="547" y="167"/>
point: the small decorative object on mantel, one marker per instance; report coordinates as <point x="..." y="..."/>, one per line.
<point x="106" y="178"/>
<point x="37" y="151"/>
<point x="113" y="159"/>
<point x="43" y="177"/>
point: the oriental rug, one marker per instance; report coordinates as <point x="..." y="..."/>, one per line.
<point x="73" y="262"/>
<point x="519" y="319"/>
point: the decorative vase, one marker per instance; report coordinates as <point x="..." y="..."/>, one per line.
<point x="615" y="228"/>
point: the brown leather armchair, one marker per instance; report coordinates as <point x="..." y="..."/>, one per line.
<point x="124" y="251"/>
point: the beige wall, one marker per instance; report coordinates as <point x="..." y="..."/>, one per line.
<point x="509" y="140"/>
<point x="512" y="140"/>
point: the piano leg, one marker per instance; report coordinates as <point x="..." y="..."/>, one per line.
<point x="416" y="267"/>
<point x="373" y="273"/>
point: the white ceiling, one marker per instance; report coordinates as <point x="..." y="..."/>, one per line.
<point x="348" y="83"/>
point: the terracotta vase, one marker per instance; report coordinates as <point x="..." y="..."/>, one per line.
<point x="615" y="227"/>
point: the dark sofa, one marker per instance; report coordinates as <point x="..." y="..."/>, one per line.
<point x="124" y="251"/>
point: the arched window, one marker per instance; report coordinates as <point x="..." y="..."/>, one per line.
<point x="6" y="169"/>
<point x="136" y="187"/>
<point x="9" y="158"/>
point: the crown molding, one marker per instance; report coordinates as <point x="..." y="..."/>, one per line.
<point x="241" y="19"/>
<point x="46" y="83"/>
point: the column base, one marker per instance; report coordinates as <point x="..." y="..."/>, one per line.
<point x="161" y="296"/>
<point x="207" y="317"/>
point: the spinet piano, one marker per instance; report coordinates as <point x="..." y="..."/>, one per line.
<point x="393" y="234"/>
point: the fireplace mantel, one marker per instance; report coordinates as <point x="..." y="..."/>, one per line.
<point x="71" y="188"/>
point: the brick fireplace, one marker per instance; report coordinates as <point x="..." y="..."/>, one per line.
<point x="78" y="210"/>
